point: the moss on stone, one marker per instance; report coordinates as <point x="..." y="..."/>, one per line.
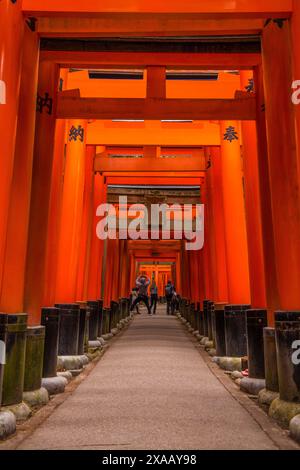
<point x="14" y="369"/>
<point x="283" y="411"/>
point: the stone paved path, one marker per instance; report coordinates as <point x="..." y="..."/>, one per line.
<point x="151" y="390"/>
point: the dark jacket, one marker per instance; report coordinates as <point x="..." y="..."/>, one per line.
<point x="169" y="290"/>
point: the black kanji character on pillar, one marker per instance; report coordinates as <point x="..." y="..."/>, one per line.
<point x="231" y="134"/>
<point x="76" y="133"/>
<point x="44" y="102"/>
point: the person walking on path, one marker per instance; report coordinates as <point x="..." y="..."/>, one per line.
<point x="142" y="283"/>
<point x="134" y="295"/>
<point x="174" y="302"/>
<point x="169" y="291"/>
<point x="153" y="296"/>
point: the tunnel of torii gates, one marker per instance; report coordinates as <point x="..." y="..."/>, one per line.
<point x="98" y="95"/>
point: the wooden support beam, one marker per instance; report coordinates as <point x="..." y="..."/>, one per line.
<point x="152" y="109"/>
<point x="164" y="134"/>
<point x="156" y="82"/>
<point x="191" y="84"/>
<point x="150" y="255"/>
<point x="209" y="9"/>
<point x="120" y="179"/>
<point x="205" y="61"/>
<point x="133" y="24"/>
<point x="150" y="244"/>
<point x="178" y="164"/>
<point x="194" y="45"/>
<point x="152" y="151"/>
<point x="155" y="176"/>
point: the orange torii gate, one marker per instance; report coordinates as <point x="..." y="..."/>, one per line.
<point x="217" y="9"/>
<point x="33" y="144"/>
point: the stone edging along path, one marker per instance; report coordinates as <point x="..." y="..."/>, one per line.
<point x="25" y="429"/>
<point x="278" y="435"/>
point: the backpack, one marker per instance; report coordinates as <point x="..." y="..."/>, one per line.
<point x="169" y="290"/>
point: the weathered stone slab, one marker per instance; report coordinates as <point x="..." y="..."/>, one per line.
<point x="66" y="374"/>
<point x="295" y="428"/>
<point x="21" y="411"/>
<point x="102" y="341"/>
<point x="108" y="336"/>
<point x="94" y="344"/>
<point x="7" y="424"/>
<point x="284" y="411"/>
<point x="71" y="362"/>
<point x="252" y="386"/>
<point x="54" y="385"/>
<point x="76" y="372"/>
<point x="204" y="340"/>
<point x="212" y="352"/>
<point x="236" y="374"/>
<point x="208" y="345"/>
<point x="38" y="397"/>
<point x="229" y="363"/>
<point x="266" y="397"/>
